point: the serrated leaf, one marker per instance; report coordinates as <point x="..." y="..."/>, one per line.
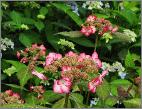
<point x="23" y="75"/>
<point x="129" y="62"/>
<point x="16" y="17"/>
<point x="72" y="34"/>
<point x="28" y="38"/>
<point x="43" y="11"/>
<point x="59" y="104"/>
<point x="78" y="100"/>
<point x="50" y="96"/>
<point x="103" y="91"/>
<point x="39" y="25"/>
<point x="10" y="70"/>
<point x="27" y="21"/>
<point x="68" y="11"/>
<point x="132" y="103"/>
<point x="83" y="41"/>
<point x="128" y="15"/>
<point x="111" y="101"/>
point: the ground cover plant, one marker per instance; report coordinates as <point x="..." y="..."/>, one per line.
<point x="70" y="54"/>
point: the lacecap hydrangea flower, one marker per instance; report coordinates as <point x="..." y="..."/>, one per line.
<point x="130" y="34"/>
<point x="6" y="43"/>
<point x="93" y="5"/>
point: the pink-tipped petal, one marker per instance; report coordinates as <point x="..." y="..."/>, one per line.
<point x="39" y="75"/>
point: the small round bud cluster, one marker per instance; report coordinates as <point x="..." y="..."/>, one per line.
<point x="10" y="97"/>
<point x="39" y="90"/>
<point x="32" y="55"/>
<point x="94" y="24"/>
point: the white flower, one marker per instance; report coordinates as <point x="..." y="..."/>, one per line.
<point x="105" y="66"/>
<point x="93" y="5"/>
<point x="6" y="43"/>
<point x="107" y="5"/>
<point x="130" y="34"/>
<point x="122" y="75"/>
<point x="94" y="101"/>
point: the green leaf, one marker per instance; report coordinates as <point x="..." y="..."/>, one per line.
<point x="31" y="99"/>
<point x="128" y="15"/>
<point x="111" y="101"/>
<point x="43" y="11"/>
<point x="10" y="71"/>
<point x="119" y="82"/>
<point x="129" y="62"/>
<point x="22" y="71"/>
<point x="28" y="38"/>
<point x="39" y="25"/>
<point x="67" y="10"/>
<point x="103" y="91"/>
<point x="23" y="75"/>
<point x="53" y="41"/>
<point x="57" y="24"/>
<point x="18" y="65"/>
<point x="83" y="41"/>
<point x="59" y="104"/>
<point x="132" y="103"/>
<point x="78" y="100"/>
<point x="16" y="17"/>
<point x="72" y="34"/>
<point x="28" y="21"/>
<point x="50" y="96"/>
<point x="16" y="86"/>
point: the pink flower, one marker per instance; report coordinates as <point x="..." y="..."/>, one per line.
<point x="82" y="56"/>
<point x="62" y="86"/>
<point x="16" y="95"/>
<point x="94" y="83"/>
<point x="42" y="47"/>
<point x="70" y="53"/>
<point x="87" y="31"/>
<point x="114" y="29"/>
<point x="95" y="55"/>
<point x="91" y="18"/>
<point x="104" y="73"/>
<point x="66" y="68"/>
<point x="57" y="56"/>
<point x="39" y="75"/>
<point x="9" y="92"/>
<point x="18" y="54"/>
<point x="91" y="87"/>
<point x="52" y="57"/>
<point x="98" y="62"/>
<point x="24" y="60"/>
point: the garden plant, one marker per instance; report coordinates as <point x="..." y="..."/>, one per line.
<point x="70" y="54"/>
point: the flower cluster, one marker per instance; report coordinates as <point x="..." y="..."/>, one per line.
<point x="70" y="68"/>
<point x="33" y="55"/>
<point x="74" y="67"/>
<point x="39" y="90"/>
<point x="100" y="25"/>
<point x="93" y="5"/>
<point x="130" y="34"/>
<point x="73" y="6"/>
<point x="66" y="43"/>
<point x="92" y="85"/>
<point x="6" y="43"/>
<point x="10" y="97"/>
<point x="115" y="67"/>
